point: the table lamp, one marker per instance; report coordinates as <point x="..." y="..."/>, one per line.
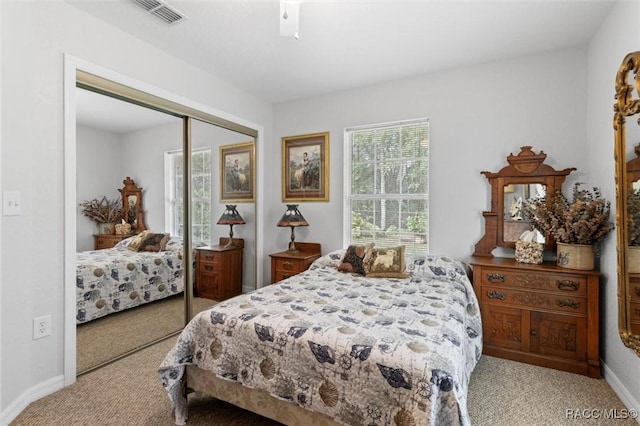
<point x="292" y="218"/>
<point x="230" y="217"/>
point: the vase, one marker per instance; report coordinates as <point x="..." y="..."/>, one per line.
<point x="575" y="256"/>
<point x="106" y="228"/>
<point x="633" y="259"/>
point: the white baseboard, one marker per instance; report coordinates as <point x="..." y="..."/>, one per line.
<point x="30" y="395"/>
<point x="627" y="399"/>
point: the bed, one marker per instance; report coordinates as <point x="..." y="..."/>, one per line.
<point x="329" y="347"/>
<point x="112" y="280"/>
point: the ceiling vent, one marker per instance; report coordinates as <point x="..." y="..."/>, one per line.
<point x="162" y="10"/>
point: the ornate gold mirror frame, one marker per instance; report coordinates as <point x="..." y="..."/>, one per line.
<point x="627" y="81"/>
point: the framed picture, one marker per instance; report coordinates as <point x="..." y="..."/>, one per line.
<point x="237" y="172"/>
<point x="305" y="167"/>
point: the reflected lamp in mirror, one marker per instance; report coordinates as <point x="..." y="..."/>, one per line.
<point x="292" y="218"/>
<point x="230" y="217"/>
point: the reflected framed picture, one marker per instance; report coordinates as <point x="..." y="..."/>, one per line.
<point x="305" y="167"/>
<point x="237" y="172"/>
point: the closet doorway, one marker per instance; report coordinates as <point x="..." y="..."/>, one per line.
<point x="183" y="131"/>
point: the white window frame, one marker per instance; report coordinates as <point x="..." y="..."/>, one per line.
<point x="349" y="197"/>
<point x="170" y="192"/>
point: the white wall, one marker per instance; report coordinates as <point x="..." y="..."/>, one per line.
<point x="619" y="35"/>
<point x="35" y="36"/>
<point x="478" y="115"/>
<point x="99" y="172"/>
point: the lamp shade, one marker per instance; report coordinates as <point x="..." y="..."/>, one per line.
<point x="292" y="217"/>
<point x="230" y="216"/>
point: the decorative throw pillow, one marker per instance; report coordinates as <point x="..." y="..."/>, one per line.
<point x="353" y="259"/>
<point x="134" y="244"/>
<point x="154" y="242"/>
<point x="385" y="263"/>
<point x="149" y="241"/>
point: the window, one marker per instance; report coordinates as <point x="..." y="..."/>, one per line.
<point x="201" y="194"/>
<point x="388" y="189"/>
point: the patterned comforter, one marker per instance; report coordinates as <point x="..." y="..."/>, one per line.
<point x="115" y="279"/>
<point x="360" y="350"/>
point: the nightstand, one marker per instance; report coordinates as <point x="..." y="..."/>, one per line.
<point x="219" y="270"/>
<point x="285" y="265"/>
<point x="105" y="241"/>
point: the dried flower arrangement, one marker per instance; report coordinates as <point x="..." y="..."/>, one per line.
<point x="582" y="220"/>
<point x="633" y="217"/>
<point x="103" y="210"/>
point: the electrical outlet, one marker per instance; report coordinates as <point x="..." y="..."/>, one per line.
<point x="41" y="327"/>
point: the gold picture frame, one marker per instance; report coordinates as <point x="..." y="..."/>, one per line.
<point x="305" y="167"/>
<point x="237" y="172"/>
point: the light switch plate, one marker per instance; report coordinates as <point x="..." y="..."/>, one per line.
<point x="11" y="203"/>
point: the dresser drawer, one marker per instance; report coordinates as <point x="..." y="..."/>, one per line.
<point x="292" y="266"/>
<point x="565" y="284"/>
<point x="534" y="300"/>
<point x="208" y="256"/>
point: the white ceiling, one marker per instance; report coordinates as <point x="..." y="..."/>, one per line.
<point x="352" y="43"/>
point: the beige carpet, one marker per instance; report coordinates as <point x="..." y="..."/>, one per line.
<point x="128" y="392"/>
<point x="105" y="338"/>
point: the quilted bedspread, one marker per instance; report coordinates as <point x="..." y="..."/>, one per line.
<point x="115" y="279"/>
<point x="363" y="351"/>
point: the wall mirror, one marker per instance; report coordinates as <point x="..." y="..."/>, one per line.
<point x="627" y="156"/>
<point x="525" y="177"/>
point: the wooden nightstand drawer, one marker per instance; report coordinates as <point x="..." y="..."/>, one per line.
<point x="565" y="284"/>
<point x="205" y="256"/>
<point x="286" y="264"/>
<point x="293" y="266"/>
<point x="534" y="300"/>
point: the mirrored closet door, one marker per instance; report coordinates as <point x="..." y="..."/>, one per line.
<point x="223" y="219"/>
<point x="125" y="298"/>
<point x="145" y="170"/>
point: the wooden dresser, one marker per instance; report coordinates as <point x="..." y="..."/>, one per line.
<point x="285" y="265"/>
<point x="219" y="270"/>
<point x="105" y="241"/>
<point x="539" y="314"/>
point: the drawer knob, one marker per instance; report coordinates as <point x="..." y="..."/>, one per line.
<point x="495" y="278"/>
<point x="208" y="257"/>
<point x="496" y="295"/>
<point x="638" y="312"/>
<point x="568" y="303"/>
<point x="567" y="285"/>
<point x="637" y="291"/>
<point x="287" y="265"/>
<point x="534" y="332"/>
<point x="208" y="267"/>
<point x="285" y="276"/>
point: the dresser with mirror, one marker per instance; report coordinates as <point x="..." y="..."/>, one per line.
<point x="540" y="314"/>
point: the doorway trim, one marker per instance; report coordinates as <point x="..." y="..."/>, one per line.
<point x="71" y="66"/>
